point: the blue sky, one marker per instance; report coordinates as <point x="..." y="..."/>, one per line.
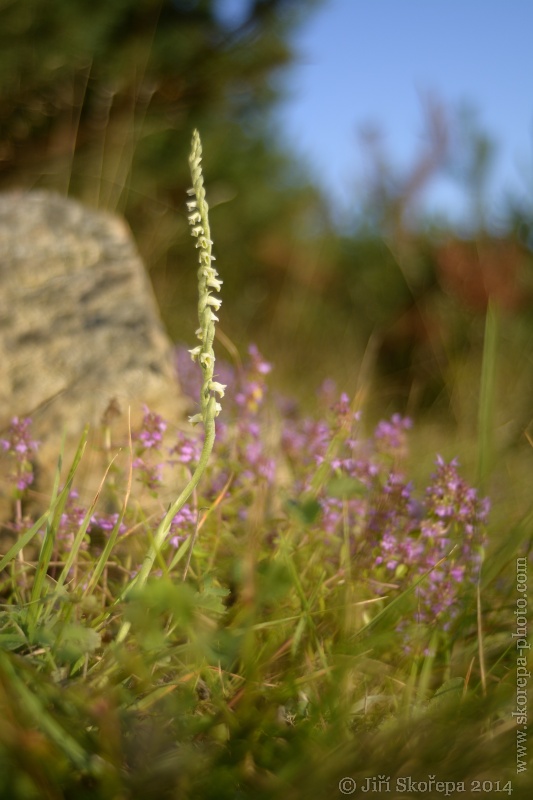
<point x="366" y="62"/>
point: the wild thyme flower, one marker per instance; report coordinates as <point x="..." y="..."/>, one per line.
<point x="394" y="537"/>
<point x="150" y="475"/>
<point x="450" y="499"/>
<point x="149" y="441"/>
<point x="256" y="462"/>
<point x="73" y="517"/>
<point x="153" y="427"/>
<point x="390" y="437"/>
<point x="311" y="439"/>
<point x="250" y="400"/>
<point x="258" y="363"/>
<point x="21" y="446"/>
<point x="182" y="525"/>
<point x="445" y="546"/>
<point x="253" y="388"/>
<point x="73" y="514"/>
<point x="327" y="393"/>
<point x="106" y="522"/>
<point x="187" y="450"/>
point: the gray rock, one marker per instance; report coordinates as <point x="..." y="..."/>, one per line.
<point x="79" y="324"/>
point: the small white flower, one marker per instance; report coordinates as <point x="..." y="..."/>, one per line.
<point x="218" y="409"/>
<point x="194" y="218"/>
<point x="217" y="387"/>
<point x="195" y="352"/>
<point x="191" y="205"/>
<point x="194" y="420"/>
<point x="214" y="283"/>
<point x="197" y="231"/>
<point x="205" y="258"/>
<point x="191" y="191"/>
<point x="216" y="302"/>
<point x="207" y="360"/>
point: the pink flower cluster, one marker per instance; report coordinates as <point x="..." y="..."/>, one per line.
<point x="21" y="447"/>
<point x="357" y="481"/>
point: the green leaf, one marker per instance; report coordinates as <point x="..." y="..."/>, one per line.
<point x="76" y="641"/>
<point x="345" y="487"/>
<point x="211" y="598"/>
<point x="274" y="581"/>
<point x="449" y="694"/>
<point x="306" y="512"/>
<point x="12" y="641"/>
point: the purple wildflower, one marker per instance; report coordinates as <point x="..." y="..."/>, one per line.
<point x="150" y="475"/>
<point x="20" y="445"/>
<point x="451" y="537"/>
<point x="253" y="385"/>
<point x="452" y="500"/>
<point x="257" y="361"/>
<point x="395" y="538"/>
<point x="327" y="393"/>
<point x="153" y="427"/>
<point x="390" y="437"/>
<point x="107" y="522"/>
<point x="186" y="450"/>
<point x="182" y="525"/>
<point x="71" y="520"/>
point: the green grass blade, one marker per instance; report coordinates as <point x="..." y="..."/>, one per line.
<point x="26" y="538"/>
<point x="78" y="539"/>
<point x="52" y="526"/>
<point x="42" y="718"/>
<point x="487" y="397"/>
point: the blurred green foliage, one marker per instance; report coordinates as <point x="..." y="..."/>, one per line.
<point x="99" y="100"/>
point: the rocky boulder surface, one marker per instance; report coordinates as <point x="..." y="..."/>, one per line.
<point x="81" y="339"/>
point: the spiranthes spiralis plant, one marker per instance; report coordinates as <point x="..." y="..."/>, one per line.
<point x="208" y="304"/>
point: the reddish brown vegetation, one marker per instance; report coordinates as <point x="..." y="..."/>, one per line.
<point x="474" y="272"/>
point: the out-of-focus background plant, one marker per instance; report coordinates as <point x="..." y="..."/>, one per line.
<point x="98" y="101"/>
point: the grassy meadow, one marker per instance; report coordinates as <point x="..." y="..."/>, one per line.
<point x="327" y="609"/>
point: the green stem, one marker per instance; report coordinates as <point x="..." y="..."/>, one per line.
<point x="164" y="526"/>
<point x="207" y="281"/>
